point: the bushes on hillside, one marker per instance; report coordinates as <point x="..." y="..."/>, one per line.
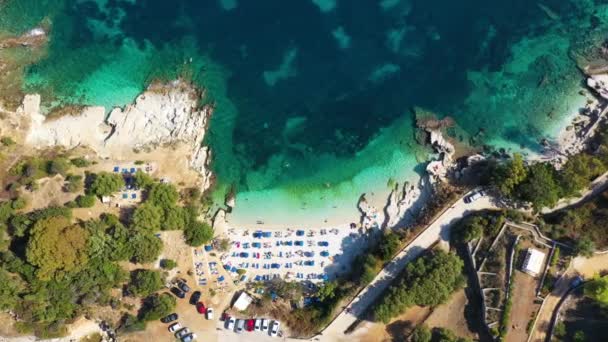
<point x="105" y="184"/>
<point x="144" y="282"/>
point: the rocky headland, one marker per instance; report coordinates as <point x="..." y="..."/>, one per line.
<point x="163" y="115"/>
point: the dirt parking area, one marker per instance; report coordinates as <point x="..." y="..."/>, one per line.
<point x="451" y="315"/>
<point x="524" y="307"/>
<point x="397" y="330"/>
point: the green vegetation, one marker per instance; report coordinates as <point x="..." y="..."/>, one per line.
<point x="80" y="162"/>
<point x="7" y="141"/>
<point x="144" y="282"/>
<point x="582" y="226"/>
<point x="198" y="233"/>
<point x="597" y="289"/>
<point x="168" y="264"/>
<point x="540" y="184"/>
<point x="479" y="224"/>
<point x="143" y="180"/>
<point x="423" y="334"/>
<point x="427" y="281"/>
<point x="86" y="201"/>
<point x="147" y="217"/>
<point x="157" y="306"/>
<point x="74" y="183"/>
<point x="56" y="246"/>
<point x="105" y="184"/>
<point x="58" y="166"/>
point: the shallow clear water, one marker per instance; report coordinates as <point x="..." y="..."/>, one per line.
<point x="314" y="97"/>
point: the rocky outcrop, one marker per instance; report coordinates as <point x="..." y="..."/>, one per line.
<point x="439" y="168"/>
<point x="34" y="37"/>
<point x="599" y="83"/>
<point x="401" y="203"/>
<point x="165" y="114"/>
<point x="370" y="216"/>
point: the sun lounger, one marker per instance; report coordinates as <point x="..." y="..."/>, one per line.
<point x="300" y="233"/>
<point x="133" y="196"/>
<point x="323" y="243"/>
<point x="324" y="253"/>
<point x="299" y="243"/>
<point x="125" y="196"/>
<point x="132" y="170"/>
<point x="116" y="169"/>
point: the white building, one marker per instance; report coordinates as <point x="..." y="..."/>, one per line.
<point x="242" y="302"/>
<point x="534" y="261"/>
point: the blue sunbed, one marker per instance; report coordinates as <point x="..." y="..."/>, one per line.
<point x="323" y="243"/>
<point x="267" y="234"/>
<point x="132" y="170"/>
<point x="134" y="196"/>
<point x="300" y="233"/>
<point x="299" y="243"/>
<point x="324" y="253"/>
<point x="125" y="196"/>
<point x="116" y="169"/>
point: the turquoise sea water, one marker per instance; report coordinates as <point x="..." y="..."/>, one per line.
<point x="314" y="97"/>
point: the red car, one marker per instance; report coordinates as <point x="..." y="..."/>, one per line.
<point x="200" y="307"/>
<point x="250" y="324"/>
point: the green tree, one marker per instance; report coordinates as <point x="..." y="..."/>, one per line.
<point x="174" y="218"/>
<point x="427" y="281"/>
<point x="7" y="141"/>
<point x="198" y="233"/>
<point x="18" y="203"/>
<point x="578" y="171"/>
<point x="147" y="217"/>
<point x="85" y="201"/>
<point x="10" y="287"/>
<point x="389" y="245"/>
<point x="327" y="290"/>
<point x="421" y="334"/>
<point x="540" y="187"/>
<point x="470" y="228"/>
<point x="56" y="246"/>
<point x="163" y="195"/>
<point x="597" y="289"/>
<point x="105" y="184"/>
<point x="584" y="246"/>
<point x="145" y="246"/>
<point x="143" y="180"/>
<point x="144" y="282"/>
<point x="508" y="176"/>
<point x="157" y="306"/>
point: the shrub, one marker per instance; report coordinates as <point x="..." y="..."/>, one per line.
<point x="144" y="282"/>
<point x="57" y="166"/>
<point x="105" y="184"/>
<point x="18" y="203"/>
<point x="157" y="306"/>
<point x="7" y="141"/>
<point x="198" y="233"/>
<point x="168" y="264"/>
<point x="80" y="162"/>
<point x="85" y="201"/>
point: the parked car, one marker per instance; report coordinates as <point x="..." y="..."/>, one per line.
<point x="474" y="196"/>
<point x="209" y="313"/>
<point x="177" y="292"/>
<point x="240" y="325"/>
<point x="175" y="327"/>
<point x="264" y="324"/>
<point x="189" y="338"/>
<point x="231" y="323"/>
<point x="196" y="296"/>
<point x="182" y="286"/>
<point x="200" y="307"/>
<point x="258" y="325"/>
<point x="169" y="318"/>
<point x="182" y="333"/>
<point x="250" y="324"/>
<point x="274" y="330"/>
<point x="225" y="316"/>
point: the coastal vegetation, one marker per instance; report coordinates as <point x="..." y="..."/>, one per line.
<point x="540" y="184"/>
<point x="54" y="268"/>
<point x="427" y="281"/>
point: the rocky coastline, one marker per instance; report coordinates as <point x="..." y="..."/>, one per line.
<point x="163" y="115"/>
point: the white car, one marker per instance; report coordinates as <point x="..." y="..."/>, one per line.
<point x="231" y="323"/>
<point x="174" y="327"/>
<point x="182" y="333"/>
<point x="209" y="313"/>
<point x="274" y="330"/>
<point x="189" y="338"/>
<point x="258" y="325"/>
<point x="264" y="324"/>
<point x="240" y="325"/>
<point x="474" y="196"/>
